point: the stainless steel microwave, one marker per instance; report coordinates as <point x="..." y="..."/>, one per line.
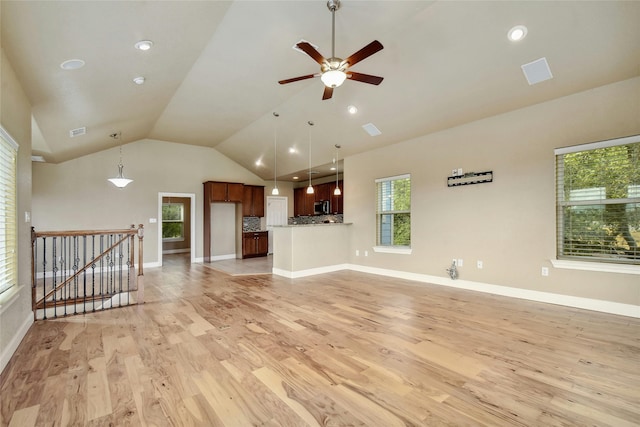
<point x="322" y="207"/>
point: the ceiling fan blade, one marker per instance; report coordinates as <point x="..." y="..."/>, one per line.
<point x="364" y="78"/>
<point x="364" y="53"/>
<point x="295" y="79"/>
<point x="328" y="93"/>
<point x="312" y="52"/>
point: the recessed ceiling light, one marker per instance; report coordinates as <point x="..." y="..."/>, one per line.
<point x="352" y="109"/>
<point x="144" y="45"/>
<point x="258" y="162"/>
<point x="517" y="33"/>
<point x="139" y="80"/>
<point x="72" y="64"/>
<point x="332" y="168"/>
<point x="292" y="150"/>
<point x="295" y="177"/>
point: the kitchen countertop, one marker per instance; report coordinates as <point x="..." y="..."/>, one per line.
<point x="313" y="225"/>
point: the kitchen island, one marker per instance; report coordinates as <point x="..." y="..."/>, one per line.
<point x="308" y="249"/>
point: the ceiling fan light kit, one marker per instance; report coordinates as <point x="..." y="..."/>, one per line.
<point x="334" y="71"/>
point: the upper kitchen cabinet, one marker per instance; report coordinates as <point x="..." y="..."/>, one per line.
<point x="302" y="202"/>
<point x="253" y="201"/>
<point x="224" y="191"/>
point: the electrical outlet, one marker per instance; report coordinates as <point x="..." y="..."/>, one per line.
<point x="460" y="262"/>
<point x="480" y="264"/>
<point x="357" y="252"/>
<point x="545" y="271"/>
<point x="153" y="220"/>
<point x="459" y="171"/>
<point x="455" y="262"/>
<point x="454" y="172"/>
<point x="366" y="253"/>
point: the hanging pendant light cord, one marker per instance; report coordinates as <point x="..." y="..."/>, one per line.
<point x="275" y="151"/>
<point x="310" y="124"/>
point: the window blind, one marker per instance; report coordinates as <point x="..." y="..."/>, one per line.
<point x="8" y="225"/>
<point x="393" y="211"/>
<point x="598" y="201"/>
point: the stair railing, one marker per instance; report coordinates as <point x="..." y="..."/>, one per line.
<point x="82" y="271"/>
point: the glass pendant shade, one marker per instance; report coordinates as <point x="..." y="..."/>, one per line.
<point x="337" y="191"/>
<point x="120" y="181"/>
<point x="333" y="78"/>
<point x="275" y="191"/>
<point x="309" y="189"/>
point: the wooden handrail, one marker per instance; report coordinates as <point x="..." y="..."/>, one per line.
<point x="89" y="264"/>
<point x="128" y="231"/>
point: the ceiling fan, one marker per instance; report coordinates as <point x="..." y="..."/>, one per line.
<point x="334" y="71"/>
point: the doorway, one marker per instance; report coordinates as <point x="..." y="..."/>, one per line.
<point x="188" y="224"/>
<point x="277" y="208"/>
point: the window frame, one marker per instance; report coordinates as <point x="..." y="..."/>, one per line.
<point x="9" y="186"/>
<point x="390" y="248"/>
<point x="588" y="262"/>
<point x="181" y="221"/>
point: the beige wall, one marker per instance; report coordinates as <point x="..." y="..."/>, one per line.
<point x="76" y="195"/>
<point x="15" y="117"/>
<point x="509" y="224"/>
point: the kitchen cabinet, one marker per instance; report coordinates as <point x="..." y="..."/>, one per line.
<point x="224" y="191"/>
<point x="255" y="244"/>
<point x="253" y="201"/>
<point x="214" y="191"/>
<point x="302" y="202"/>
<point x="322" y="192"/>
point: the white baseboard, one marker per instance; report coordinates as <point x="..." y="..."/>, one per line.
<point x="11" y="348"/>
<point x="628" y="310"/>
<point x="309" y="272"/>
<point x="176" y="251"/>
<point x="222" y="257"/>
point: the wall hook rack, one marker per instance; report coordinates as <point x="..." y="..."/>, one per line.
<point x="470" y="178"/>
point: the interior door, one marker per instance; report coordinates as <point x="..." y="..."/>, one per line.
<point x="276" y="215"/>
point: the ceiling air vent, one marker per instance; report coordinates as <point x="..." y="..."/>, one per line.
<point x="371" y="129"/>
<point x="537" y="71"/>
<point x="77" y="132"/>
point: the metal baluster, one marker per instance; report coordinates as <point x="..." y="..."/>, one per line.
<point x="44" y="276"/>
<point x="93" y="272"/>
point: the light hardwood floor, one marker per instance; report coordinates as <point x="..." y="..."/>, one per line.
<point x="339" y="349"/>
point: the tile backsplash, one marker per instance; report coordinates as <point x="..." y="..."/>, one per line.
<point x="251" y="223"/>
<point x="315" y="219"/>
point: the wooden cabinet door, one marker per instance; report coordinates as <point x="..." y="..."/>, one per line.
<point x="322" y="192"/>
<point x="247" y="201"/>
<point x="298" y="201"/>
<point x="218" y="191"/>
<point x="248" y="245"/>
<point x="258" y="201"/>
<point x="235" y="192"/>
<point x="253" y="201"/>
<point x="262" y="244"/>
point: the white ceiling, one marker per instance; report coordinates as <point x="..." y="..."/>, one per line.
<point x="213" y="70"/>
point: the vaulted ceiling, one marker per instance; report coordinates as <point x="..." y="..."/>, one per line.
<point x="212" y="73"/>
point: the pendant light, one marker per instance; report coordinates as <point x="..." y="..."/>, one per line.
<point x="310" y="187"/>
<point x="337" y="191"/>
<point x="120" y="181"/>
<point x="275" y="190"/>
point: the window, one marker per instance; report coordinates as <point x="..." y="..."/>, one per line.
<point x="598" y="201"/>
<point x="172" y="221"/>
<point x="8" y="224"/>
<point x="393" y="212"/>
